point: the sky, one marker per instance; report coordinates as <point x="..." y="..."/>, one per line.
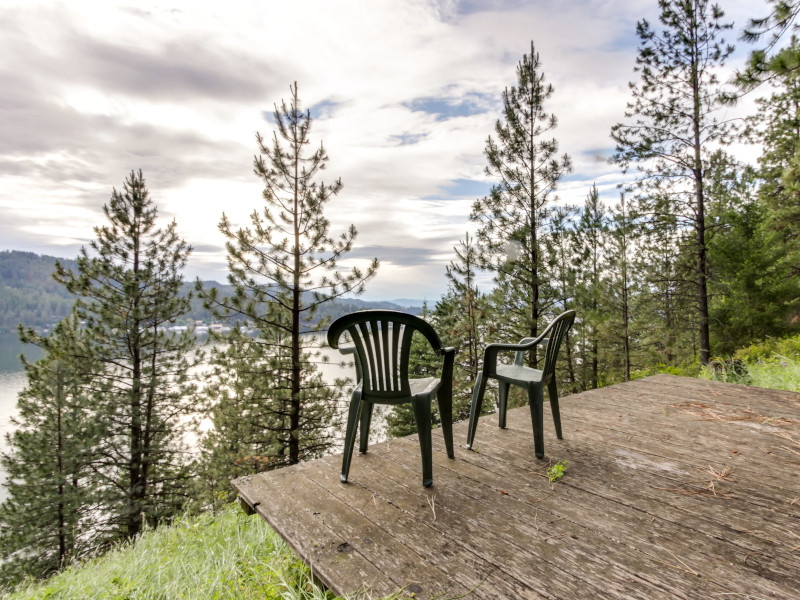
<point x="403" y="93"/>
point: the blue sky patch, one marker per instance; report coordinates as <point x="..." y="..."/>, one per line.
<point x="324" y="109"/>
<point x="463" y="188"/>
<point x="445" y="108"/>
<point x="408" y="139"/>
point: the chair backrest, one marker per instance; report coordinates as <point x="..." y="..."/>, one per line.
<point x="555" y="333"/>
<point x="382" y="339"/>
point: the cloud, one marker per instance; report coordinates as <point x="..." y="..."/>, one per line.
<point x="403" y="96"/>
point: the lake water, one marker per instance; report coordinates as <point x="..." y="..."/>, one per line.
<point x="12" y="382"/>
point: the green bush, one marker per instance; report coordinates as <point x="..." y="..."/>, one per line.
<point x="772" y="363"/>
<point x="769" y="348"/>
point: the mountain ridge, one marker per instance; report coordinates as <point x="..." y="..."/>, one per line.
<point x="29" y="294"/>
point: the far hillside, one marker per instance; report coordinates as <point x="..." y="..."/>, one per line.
<point x="29" y="294"/>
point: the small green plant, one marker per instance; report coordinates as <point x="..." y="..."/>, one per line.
<point x="557" y="471"/>
<point x="730" y="370"/>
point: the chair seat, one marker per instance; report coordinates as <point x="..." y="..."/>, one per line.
<point x="418" y="388"/>
<point x="518" y="375"/>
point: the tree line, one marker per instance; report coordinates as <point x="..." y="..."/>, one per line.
<point x="697" y="256"/>
<point x="30" y="295"/>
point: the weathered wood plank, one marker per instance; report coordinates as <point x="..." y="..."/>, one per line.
<point x="418" y="528"/>
<point x="635" y="516"/>
<point x="669" y="519"/>
<point x="320" y="546"/>
<point x="533" y="527"/>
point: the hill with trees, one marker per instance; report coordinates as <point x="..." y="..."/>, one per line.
<point x="29" y="294"/>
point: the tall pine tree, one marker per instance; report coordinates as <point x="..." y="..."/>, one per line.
<point x="770" y="61"/>
<point x="527" y="165"/>
<point x="46" y="520"/>
<point x="129" y="290"/>
<point x="589" y="243"/>
<point x="776" y="128"/>
<point x="460" y="321"/>
<point x="283" y="267"/>
<point x="755" y="294"/>
<point x="672" y="121"/>
<point x="620" y="283"/>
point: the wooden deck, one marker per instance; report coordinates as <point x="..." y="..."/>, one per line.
<point x="675" y="488"/>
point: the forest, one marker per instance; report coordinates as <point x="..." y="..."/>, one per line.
<point x="698" y="258"/>
<point x="29" y="295"/>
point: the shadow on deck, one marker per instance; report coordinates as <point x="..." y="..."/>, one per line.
<point x="675" y="488"/>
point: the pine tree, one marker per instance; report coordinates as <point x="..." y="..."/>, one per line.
<point x="45" y="522"/>
<point x="561" y="255"/>
<point x="665" y="266"/>
<point x="770" y="62"/>
<point x="129" y="291"/>
<point x="517" y="209"/>
<point x="620" y="283"/>
<point x="672" y="122"/>
<point x="251" y="409"/>
<point x="776" y="128"/>
<point x="460" y="320"/>
<point x="283" y="269"/>
<point x="589" y="239"/>
<point x="754" y="293"/>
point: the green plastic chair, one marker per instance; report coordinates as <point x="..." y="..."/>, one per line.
<point x="532" y="380"/>
<point x="381" y="343"/>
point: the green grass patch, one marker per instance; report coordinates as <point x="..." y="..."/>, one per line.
<point x="223" y="555"/>
<point x="773" y="363"/>
<point x="779" y="373"/>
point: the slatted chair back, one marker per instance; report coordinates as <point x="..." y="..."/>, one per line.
<point x="382" y="339"/>
<point x="555" y="332"/>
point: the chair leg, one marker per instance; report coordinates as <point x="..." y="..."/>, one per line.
<point x="535" y="401"/>
<point x="444" y="398"/>
<point x="350" y="437"/>
<point x="422" y="415"/>
<point x="475" y="408"/>
<point x="366" y="419"/>
<point x="502" y="394"/>
<point x="552" y="392"/>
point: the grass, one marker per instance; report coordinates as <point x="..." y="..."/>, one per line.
<point x="223" y="555"/>
<point x="780" y="373"/>
<point x="771" y="364"/>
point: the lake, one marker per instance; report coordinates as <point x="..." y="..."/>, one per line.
<point x="12" y="381"/>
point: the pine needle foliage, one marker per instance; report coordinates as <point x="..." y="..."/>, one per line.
<point x="283" y="267"/>
<point x="45" y="522"/>
<point x="671" y="122"/>
<point x="526" y="163"/>
<point x="128" y="283"/>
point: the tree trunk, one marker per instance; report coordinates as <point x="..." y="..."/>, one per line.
<point x="700" y="225"/>
<point x="133" y="517"/>
<point x="294" y="406"/>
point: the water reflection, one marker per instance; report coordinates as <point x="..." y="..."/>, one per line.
<point x="12" y="382"/>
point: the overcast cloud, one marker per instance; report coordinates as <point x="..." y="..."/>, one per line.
<point x="403" y="93"/>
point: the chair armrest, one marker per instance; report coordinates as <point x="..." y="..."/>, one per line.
<point x="519" y="359"/>
<point x="347" y="349"/>
<point x="354" y="351"/>
<point x="449" y="359"/>
<point x="492" y="350"/>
